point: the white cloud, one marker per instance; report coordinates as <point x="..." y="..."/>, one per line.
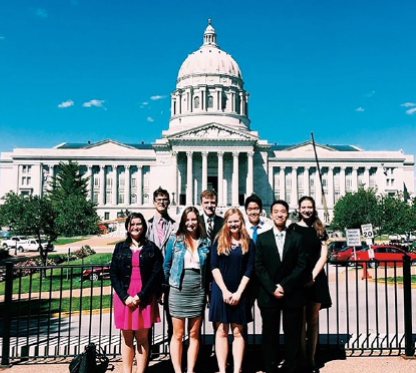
<point x="150" y="119"/>
<point x="95" y="102"/>
<point x="65" y="104"/>
<point x="360" y="109"/>
<point x="408" y="104"/>
<point x="370" y="94"/>
<point x="157" y="97"/>
<point x="42" y="13"/>
<point x="411" y="111"/>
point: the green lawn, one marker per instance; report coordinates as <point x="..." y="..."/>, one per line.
<point x="62" y="277"/>
<point x="67" y="240"/>
<point x="398" y="279"/>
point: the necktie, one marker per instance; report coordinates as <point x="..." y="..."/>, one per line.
<point x="209" y="228"/>
<point x="254" y="228"/>
<point x="161" y="231"/>
<point x="280" y="243"/>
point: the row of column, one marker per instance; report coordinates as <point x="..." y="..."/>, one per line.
<point x="220" y="173"/>
<point x="103" y="184"/>
<point x="318" y="190"/>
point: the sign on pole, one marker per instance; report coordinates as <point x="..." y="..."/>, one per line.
<point x="367" y="230"/>
<point x="353" y="237"/>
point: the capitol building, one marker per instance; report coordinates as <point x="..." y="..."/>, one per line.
<point x="209" y="143"/>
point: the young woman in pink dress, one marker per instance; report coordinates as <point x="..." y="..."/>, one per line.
<point x="136" y="276"/>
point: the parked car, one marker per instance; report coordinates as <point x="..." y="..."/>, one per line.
<point x="13" y="242"/>
<point x="343" y="255"/>
<point x="33" y="245"/>
<point x="96" y="273"/>
<point x="385" y="255"/>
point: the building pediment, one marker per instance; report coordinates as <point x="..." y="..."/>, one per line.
<point x="108" y="145"/>
<point x="214" y="132"/>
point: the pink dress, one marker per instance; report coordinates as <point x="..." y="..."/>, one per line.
<point x="135" y="318"/>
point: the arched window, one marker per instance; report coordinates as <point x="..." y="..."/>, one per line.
<point x="196" y="102"/>
<point x="210" y="101"/>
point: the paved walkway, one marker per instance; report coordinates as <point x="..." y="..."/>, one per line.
<point x="376" y="364"/>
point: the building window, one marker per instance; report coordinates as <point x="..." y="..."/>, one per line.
<point x="133" y="182"/>
<point x="106" y="215"/>
<point x="196" y="102"/>
<point x="210" y="101"/>
<point x="95" y="197"/>
<point x="26" y="169"/>
<point x="121" y="198"/>
<point x="108" y="196"/>
<point x="96" y="181"/>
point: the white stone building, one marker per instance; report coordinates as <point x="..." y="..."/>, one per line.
<point x="209" y="144"/>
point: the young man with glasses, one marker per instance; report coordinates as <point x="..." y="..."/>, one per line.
<point x="159" y="228"/>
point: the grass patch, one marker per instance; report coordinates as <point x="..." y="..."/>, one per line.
<point x="62" y="277"/>
<point x="35" y="307"/>
<point x="68" y="240"/>
<point x="398" y="279"/>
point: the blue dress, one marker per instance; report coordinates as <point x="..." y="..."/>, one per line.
<point x="233" y="267"/>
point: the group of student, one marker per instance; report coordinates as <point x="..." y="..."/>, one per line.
<point x="227" y="262"/>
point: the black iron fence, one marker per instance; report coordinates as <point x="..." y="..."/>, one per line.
<point x="53" y="311"/>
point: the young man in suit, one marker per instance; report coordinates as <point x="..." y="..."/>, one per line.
<point x="159" y="228"/>
<point x="280" y="264"/>
<point x="211" y="222"/>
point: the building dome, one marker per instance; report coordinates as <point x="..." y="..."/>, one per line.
<point x="209" y="88"/>
<point x="209" y="59"/>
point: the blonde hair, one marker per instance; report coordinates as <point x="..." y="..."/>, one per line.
<point x="224" y="235"/>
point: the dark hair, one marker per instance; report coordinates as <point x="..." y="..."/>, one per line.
<point x="316" y="222"/>
<point x="136" y="215"/>
<point x="160" y="191"/>
<point x="279" y="202"/>
<point x="208" y="193"/>
<point x="182" y="231"/>
<point x="253" y="198"/>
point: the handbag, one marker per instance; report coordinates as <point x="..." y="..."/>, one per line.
<point x="92" y="360"/>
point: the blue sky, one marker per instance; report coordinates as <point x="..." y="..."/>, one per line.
<point x="79" y="70"/>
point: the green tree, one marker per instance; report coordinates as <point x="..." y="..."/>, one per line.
<point x="31" y="215"/>
<point x="399" y="216"/>
<point x="357" y="208"/>
<point x="76" y="215"/>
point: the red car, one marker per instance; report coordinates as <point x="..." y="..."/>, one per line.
<point x="386" y="255"/>
<point x="343" y="256"/>
<point x="97" y="272"/>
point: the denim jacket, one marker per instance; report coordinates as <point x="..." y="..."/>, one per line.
<point x="151" y="272"/>
<point x="173" y="265"/>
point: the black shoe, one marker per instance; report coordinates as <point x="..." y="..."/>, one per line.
<point x="313" y="369"/>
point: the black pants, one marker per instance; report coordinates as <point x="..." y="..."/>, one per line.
<point x="292" y="328"/>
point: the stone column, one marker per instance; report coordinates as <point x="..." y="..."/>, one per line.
<point x="102" y="197"/>
<point x="139" y="186"/>
<point x="318" y="189"/>
<point x="367" y="177"/>
<point x="354" y="179"/>
<point x="294" y="196"/>
<point x="342" y="181"/>
<point x="204" y="170"/>
<point x="114" y="188"/>
<point x="250" y="174"/>
<point x="235" y="178"/>
<point x="306" y="187"/>
<point x="220" y="178"/>
<point x="90" y="195"/>
<point x="330" y="201"/>
<point x="175" y="168"/>
<point x="127" y="185"/>
<point x="282" y="183"/>
<point x="189" y="178"/>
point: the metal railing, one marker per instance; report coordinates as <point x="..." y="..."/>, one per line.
<point x="51" y="312"/>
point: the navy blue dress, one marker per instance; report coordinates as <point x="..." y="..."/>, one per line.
<point x="233" y="267"/>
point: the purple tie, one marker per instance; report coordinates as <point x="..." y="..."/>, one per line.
<point x="161" y="231"/>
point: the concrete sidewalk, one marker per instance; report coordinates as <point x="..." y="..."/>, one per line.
<point x="373" y="364"/>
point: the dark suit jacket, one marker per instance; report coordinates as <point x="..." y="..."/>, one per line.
<point x="288" y="272"/>
<point x="218" y="222"/>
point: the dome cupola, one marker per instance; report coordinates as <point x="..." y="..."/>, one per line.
<point x="209" y="88"/>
